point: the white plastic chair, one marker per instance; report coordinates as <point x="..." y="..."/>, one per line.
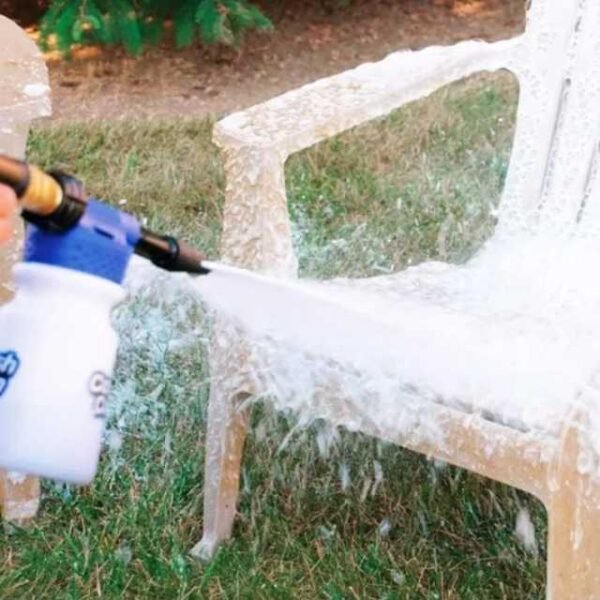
<point x="24" y="96"/>
<point x="498" y="372"/>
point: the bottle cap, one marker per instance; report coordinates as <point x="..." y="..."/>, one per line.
<point x="100" y="244"/>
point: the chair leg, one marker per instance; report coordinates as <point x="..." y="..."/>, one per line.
<point x="225" y="436"/>
<point x="19" y="497"/>
<point x="574" y="526"/>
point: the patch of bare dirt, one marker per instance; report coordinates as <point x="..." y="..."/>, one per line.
<point x="107" y="84"/>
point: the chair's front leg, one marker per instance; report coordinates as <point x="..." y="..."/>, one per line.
<point x="573" y="522"/>
<point x="256" y="235"/>
<point x="224" y="443"/>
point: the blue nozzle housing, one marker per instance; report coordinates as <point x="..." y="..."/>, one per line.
<point x="100" y="244"/>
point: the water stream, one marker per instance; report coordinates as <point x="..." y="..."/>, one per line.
<point x="510" y="335"/>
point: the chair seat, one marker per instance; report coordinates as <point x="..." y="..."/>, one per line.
<point x="513" y="335"/>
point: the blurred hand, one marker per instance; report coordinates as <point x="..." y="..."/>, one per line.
<point x="8" y="205"/>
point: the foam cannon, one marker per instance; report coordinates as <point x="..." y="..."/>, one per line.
<point x="57" y="344"/>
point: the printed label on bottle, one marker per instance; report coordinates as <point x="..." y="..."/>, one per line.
<point x="9" y="365"/>
<point x="99" y="388"/>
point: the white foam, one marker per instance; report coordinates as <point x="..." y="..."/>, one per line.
<point x="513" y="333"/>
<point x="525" y="531"/>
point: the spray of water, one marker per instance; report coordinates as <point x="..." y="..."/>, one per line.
<point x="509" y="335"/>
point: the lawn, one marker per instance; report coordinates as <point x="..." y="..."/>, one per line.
<point x="323" y="516"/>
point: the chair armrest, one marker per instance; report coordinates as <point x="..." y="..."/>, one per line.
<point x="305" y="116"/>
<point x="256" y="142"/>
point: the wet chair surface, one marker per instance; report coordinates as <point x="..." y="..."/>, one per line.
<point x="520" y="402"/>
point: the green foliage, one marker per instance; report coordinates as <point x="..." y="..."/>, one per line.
<point x="136" y="23"/>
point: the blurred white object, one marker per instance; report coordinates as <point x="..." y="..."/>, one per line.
<point x="24" y="96"/>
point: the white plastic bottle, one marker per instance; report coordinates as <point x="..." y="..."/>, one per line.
<point x="56" y="361"/>
<point x="58" y="346"/>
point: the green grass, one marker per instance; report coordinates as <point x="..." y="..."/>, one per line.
<point x="418" y="184"/>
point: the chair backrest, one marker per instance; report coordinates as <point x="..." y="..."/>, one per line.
<point x="553" y="184"/>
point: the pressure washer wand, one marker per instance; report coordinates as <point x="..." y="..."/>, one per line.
<point x="57" y="202"/>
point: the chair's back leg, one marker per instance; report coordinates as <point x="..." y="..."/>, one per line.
<point x="224" y="445"/>
<point x="574" y="524"/>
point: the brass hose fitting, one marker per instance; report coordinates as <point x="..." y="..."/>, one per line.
<point x="38" y="192"/>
